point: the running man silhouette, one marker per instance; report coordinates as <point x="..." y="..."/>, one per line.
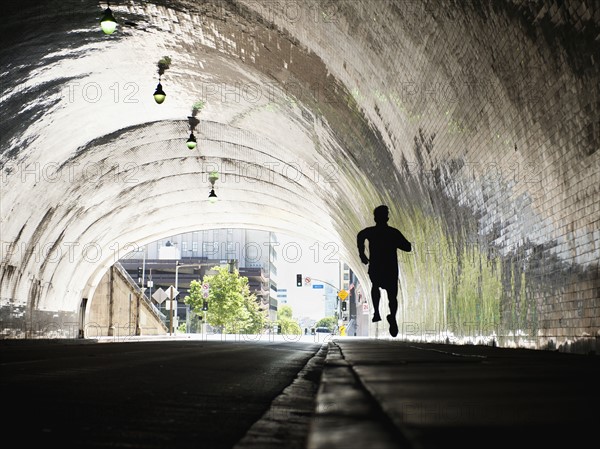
<point x="384" y="241"/>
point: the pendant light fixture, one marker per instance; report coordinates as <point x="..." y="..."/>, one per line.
<point x="108" y="22"/>
<point x="212" y="197"/>
<point x="159" y="93"/>
<point x="191" y="142"/>
<point x="212" y="177"/>
<point x="193" y="121"/>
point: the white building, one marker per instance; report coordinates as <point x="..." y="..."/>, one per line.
<point x="253" y="252"/>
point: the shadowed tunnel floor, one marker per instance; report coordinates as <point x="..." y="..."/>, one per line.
<point x="371" y="394"/>
<point x="145" y="395"/>
<point x="392" y="394"/>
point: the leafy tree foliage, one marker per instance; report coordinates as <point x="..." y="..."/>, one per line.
<point x="288" y="325"/>
<point x="231" y="306"/>
<point x="328" y="322"/>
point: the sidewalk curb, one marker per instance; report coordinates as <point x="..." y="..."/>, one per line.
<point x="347" y="415"/>
<point x="286" y="423"/>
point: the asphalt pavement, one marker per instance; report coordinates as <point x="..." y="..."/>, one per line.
<point x="157" y="394"/>
<point x="315" y="393"/>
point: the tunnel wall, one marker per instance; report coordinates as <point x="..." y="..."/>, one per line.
<point x="476" y="122"/>
<point x="490" y="112"/>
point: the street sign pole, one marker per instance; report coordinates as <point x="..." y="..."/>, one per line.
<point x="171" y="311"/>
<point x="172" y="294"/>
<point x="205" y="294"/>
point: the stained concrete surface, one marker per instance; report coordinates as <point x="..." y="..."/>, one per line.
<point x="392" y="394"/>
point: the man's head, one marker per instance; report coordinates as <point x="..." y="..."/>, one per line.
<point x="381" y="214"/>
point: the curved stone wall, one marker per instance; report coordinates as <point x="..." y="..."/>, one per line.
<point x="476" y="122"/>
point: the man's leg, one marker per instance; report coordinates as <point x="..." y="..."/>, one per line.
<point x="375" y="297"/>
<point x="392" y="293"/>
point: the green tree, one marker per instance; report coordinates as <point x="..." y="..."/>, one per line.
<point x="252" y="319"/>
<point x="231" y="306"/>
<point x="284" y="319"/>
<point x="284" y="312"/>
<point x="328" y="322"/>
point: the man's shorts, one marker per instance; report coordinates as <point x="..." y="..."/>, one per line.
<point x="384" y="282"/>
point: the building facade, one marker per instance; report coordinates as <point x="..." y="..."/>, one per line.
<point x="252" y="252"/>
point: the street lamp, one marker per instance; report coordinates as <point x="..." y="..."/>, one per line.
<point x="142" y="269"/>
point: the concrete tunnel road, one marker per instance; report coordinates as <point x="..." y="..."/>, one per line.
<point x="143" y="394"/>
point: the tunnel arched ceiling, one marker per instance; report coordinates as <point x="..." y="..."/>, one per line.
<point x="476" y="122"/>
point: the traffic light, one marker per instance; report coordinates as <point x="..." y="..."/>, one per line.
<point x="139" y="274"/>
<point x="343" y="306"/>
<point x="205" y="306"/>
<point x="298" y="280"/>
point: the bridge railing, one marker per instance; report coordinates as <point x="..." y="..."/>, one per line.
<point x="161" y="316"/>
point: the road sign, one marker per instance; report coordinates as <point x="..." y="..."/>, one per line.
<point x="342" y="294"/>
<point x="365" y="308"/>
<point x="205" y="294"/>
<point x="168" y="305"/>
<point x="159" y="295"/>
<point x="307" y="280"/>
<point x="318" y="286"/>
<point x="171" y="291"/>
<point x="206" y="286"/>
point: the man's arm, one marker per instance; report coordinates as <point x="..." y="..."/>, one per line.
<point x="360" y="242"/>
<point x="402" y="243"/>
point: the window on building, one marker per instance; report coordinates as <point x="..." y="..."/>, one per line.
<point x="210" y="249"/>
<point x="194" y="246"/>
